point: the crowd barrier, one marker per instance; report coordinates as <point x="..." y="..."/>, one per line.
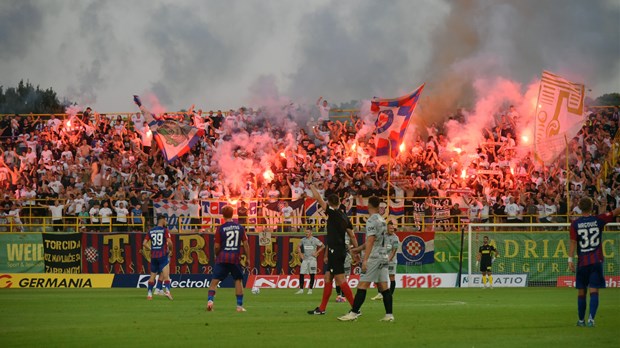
<point x="406" y="213"/>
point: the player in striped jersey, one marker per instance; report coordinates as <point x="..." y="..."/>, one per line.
<point x="158" y="240"/>
<point x="229" y="239"/>
<point x="586" y="236"/>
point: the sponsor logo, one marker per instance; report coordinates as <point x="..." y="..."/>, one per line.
<point x="289" y="281"/>
<point x="55" y="281"/>
<point x="569" y="282"/>
<point x="177" y="281"/>
<point x="5" y="281"/>
<point x="439" y="280"/>
<point x="499" y="280"/>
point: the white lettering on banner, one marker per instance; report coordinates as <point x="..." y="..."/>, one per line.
<point x="569" y="282"/>
<point x="499" y="281"/>
<point x="143" y="282"/>
<point x="289" y="281"/>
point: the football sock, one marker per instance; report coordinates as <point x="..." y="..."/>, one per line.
<point x="151" y="284"/>
<point x="167" y="285"/>
<point x="392" y="286"/>
<point x="387" y="301"/>
<point x="490" y="279"/>
<point x="327" y="292"/>
<point x="301" y="281"/>
<point x="346" y="290"/>
<point x="311" y="281"/>
<point x="158" y="285"/>
<point x="360" y="297"/>
<point x="239" y="300"/>
<point x="338" y="290"/>
<point x="581" y="306"/>
<point x="484" y="279"/>
<point x="211" y="295"/>
<point x="593" y="304"/>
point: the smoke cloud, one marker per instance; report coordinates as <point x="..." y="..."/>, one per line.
<point x="211" y="53"/>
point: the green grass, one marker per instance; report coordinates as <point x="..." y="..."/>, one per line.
<point x="530" y="317"/>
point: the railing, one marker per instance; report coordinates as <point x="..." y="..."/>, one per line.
<point x="68" y="224"/>
<point x="32" y="220"/>
<point x="450" y="224"/>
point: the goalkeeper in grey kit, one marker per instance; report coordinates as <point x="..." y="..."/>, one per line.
<point x="309" y="249"/>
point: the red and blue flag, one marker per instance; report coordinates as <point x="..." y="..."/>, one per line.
<point x="393" y="117"/>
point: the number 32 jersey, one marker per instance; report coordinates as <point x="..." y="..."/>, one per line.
<point x="587" y="231"/>
<point x="230" y="237"/>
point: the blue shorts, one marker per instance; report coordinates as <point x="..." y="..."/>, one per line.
<point x="222" y="270"/>
<point x="590" y="276"/>
<point x="158" y="264"/>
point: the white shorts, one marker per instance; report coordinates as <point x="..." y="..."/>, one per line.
<point x="308" y="266"/>
<point x="347" y="264"/>
<point x="376" y="272"/>
<point x="392" y="268"/>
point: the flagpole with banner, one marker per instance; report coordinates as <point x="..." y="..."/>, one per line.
<point x="392" y="122"/>
<point x="389" y="180"/>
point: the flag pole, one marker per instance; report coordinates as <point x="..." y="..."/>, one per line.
<point x="389" y="175"/>
<point x="567" y="182"/>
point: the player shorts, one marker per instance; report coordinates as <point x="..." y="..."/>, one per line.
<point x="335" y="261"/>
<point x="590" y="276"/>
<point x="392" y="268"/>
<point x="348" y="260"/>
<point x="485" y="266"/>
<point x="158" y="264"/>
<point x="376" y="271"/>
<point x="222" y="270"/>
<point x="308" y="266"/>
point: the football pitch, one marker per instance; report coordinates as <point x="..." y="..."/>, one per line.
<point x="526" y="317"/>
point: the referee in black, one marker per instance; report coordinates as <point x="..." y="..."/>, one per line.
<point x="338" y="225"/>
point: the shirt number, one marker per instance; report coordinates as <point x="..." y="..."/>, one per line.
<point x="158" y="240"/>
<point x="232" y="238"/>
<point x="589" y="238"/>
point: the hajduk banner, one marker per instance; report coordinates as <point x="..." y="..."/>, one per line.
<point x="62" y="252"/>
<point x="393" y="116"/>
<point x="173" y="138"/>
<point x="559" y="115"/>
<point x="177" y="213"/>
<point x="416" y="248"/>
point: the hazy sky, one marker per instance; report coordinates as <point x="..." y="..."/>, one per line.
<point x="224" y="54"/>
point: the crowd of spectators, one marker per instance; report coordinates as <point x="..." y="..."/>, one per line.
<point x="91" y="168"/>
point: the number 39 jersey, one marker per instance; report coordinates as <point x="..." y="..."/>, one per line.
<point x="587" y="231"/>
<point x="158" y="236"/>
<point x="230" y="237"/>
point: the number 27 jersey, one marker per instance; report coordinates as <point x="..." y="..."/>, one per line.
<point x="230" y="237"/>
<point x="587" y="231"/>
